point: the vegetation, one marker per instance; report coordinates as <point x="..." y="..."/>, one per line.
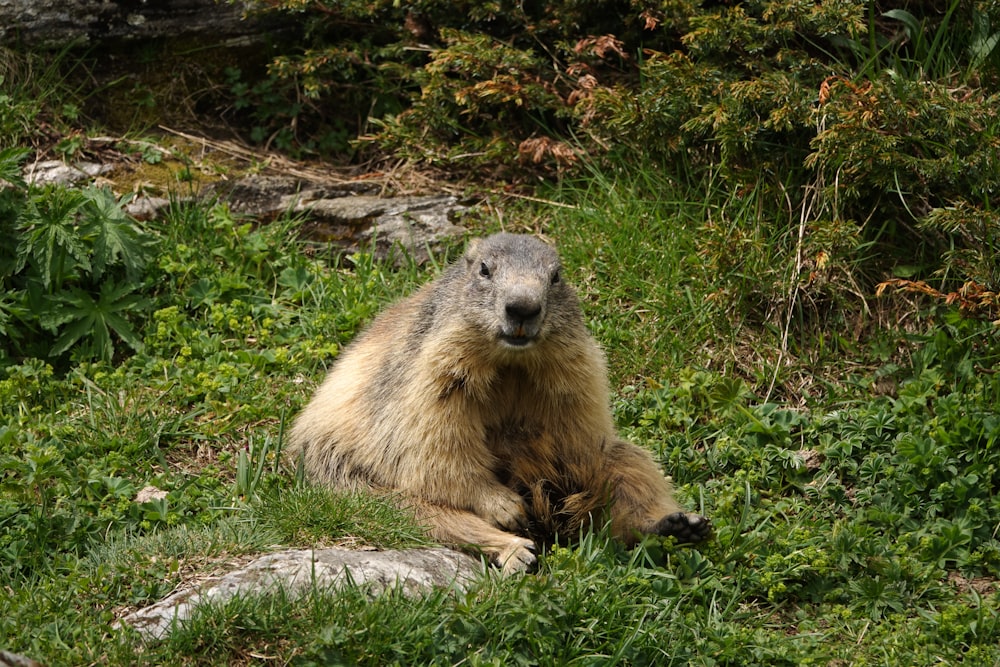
<point x="75" y="260"/>
<point x="871" y="126"/>
<point x="782" y="222"/>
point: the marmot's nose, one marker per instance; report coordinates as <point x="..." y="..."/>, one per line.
<point x="523" y="309"/>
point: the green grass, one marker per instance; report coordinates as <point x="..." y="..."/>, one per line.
<point x="853" y="526"/>
<point x="34" y="88"/>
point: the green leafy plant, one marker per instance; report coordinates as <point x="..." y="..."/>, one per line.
<point x="933" y="45"/>
<point x="77" y="316"/>
<point x="72" y="267"/>
<point x="48" y="238"/>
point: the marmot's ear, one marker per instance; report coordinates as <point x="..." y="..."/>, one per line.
<point x="472" y="251"/>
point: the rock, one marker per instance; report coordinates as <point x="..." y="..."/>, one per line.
<point x="395" y="229"/>
<point x="58" y="22"/>
<point x="267" y="197"/>
<point x="412" y="571"/>
<point x="53" y="172"/>
<point x="350" y="216"/>
<point x="148" y="493"/>
<point x="57" y="172"/>
<point x="94" y="169"/>
<point x="8" y="659"/>
<point x="400" y="227"/>
<point x="146" y="208"/>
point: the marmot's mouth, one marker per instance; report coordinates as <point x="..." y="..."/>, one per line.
<point x="519" y="334"/>
<point x="517" y="341"/>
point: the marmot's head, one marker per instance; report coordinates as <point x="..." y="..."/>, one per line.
<point x="514" y="290"/>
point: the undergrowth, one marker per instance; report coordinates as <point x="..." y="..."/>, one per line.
<point x="851" y="525"/>
<point x="864" y="133"/>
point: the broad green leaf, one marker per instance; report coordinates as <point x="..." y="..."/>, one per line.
<point x="79" y="328"/>
<point x="120" y="326"/>
<point x="50" y="238"/>
<point x="10" y="166"/>
<point x="81" y="319"/>
<point x="909" y="21"/>
<point x="117" y="239"/>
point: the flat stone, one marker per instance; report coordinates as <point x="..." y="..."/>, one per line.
<point x="347" y="214"/>
<point x="57" y="172"/>
<point x="350" y="216"/>
<point x="146" y="208"/>
<point x="94" y="169"/>
<point x="53" y="172"/>
<point x="411" y="571"/>
<point x="396" y="228"/>
<point x="266" y="197"/>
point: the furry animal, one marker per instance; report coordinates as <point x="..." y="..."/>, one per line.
<point x="482" y="400"/>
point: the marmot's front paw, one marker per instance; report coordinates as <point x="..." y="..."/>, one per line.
<point x="504" y="509"/>
<point x="519" y="556"/>
<point x="686" y="527"/>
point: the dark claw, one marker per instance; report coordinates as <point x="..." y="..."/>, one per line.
<point x="685" y="527"/>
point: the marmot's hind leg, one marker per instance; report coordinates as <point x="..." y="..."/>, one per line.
<point x="467" y="531"/>
<point x="642" y="500"/>
<point x="685" y="526"/>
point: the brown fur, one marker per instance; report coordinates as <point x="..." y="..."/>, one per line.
<point x="483" y="400"/>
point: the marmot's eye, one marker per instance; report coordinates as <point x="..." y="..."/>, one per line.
<point x="484" y="270"/>
<point x="556" y="277"/>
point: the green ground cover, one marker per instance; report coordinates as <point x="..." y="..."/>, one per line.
<point x="853" y="526"/>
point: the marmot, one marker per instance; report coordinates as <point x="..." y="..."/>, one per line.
<point x="483" y="401"/>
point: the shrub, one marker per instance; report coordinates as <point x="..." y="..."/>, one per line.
<point x="915" y="162"/>
<point x="458" y="84"/>
<point x="864" y="135"/>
